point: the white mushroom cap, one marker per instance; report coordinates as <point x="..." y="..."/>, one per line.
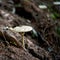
<point x="42" y="6"/>
<point x="56" y="3"/>
<point x="22" y="28"/>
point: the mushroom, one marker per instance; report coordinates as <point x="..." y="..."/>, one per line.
<point x="22" y="30"/>
<point x="56" y="3"/>
<point x="43" y="6"/>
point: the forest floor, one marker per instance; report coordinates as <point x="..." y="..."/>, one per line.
<point x="42" y="43"/>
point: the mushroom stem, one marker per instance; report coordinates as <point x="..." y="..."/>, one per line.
<point x="23" y="43"/>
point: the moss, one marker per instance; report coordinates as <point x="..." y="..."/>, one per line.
<point x="57" y="30"/>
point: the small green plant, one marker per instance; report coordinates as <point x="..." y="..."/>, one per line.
<point x="52" y="16"/>
<point x="58" y="30"/>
